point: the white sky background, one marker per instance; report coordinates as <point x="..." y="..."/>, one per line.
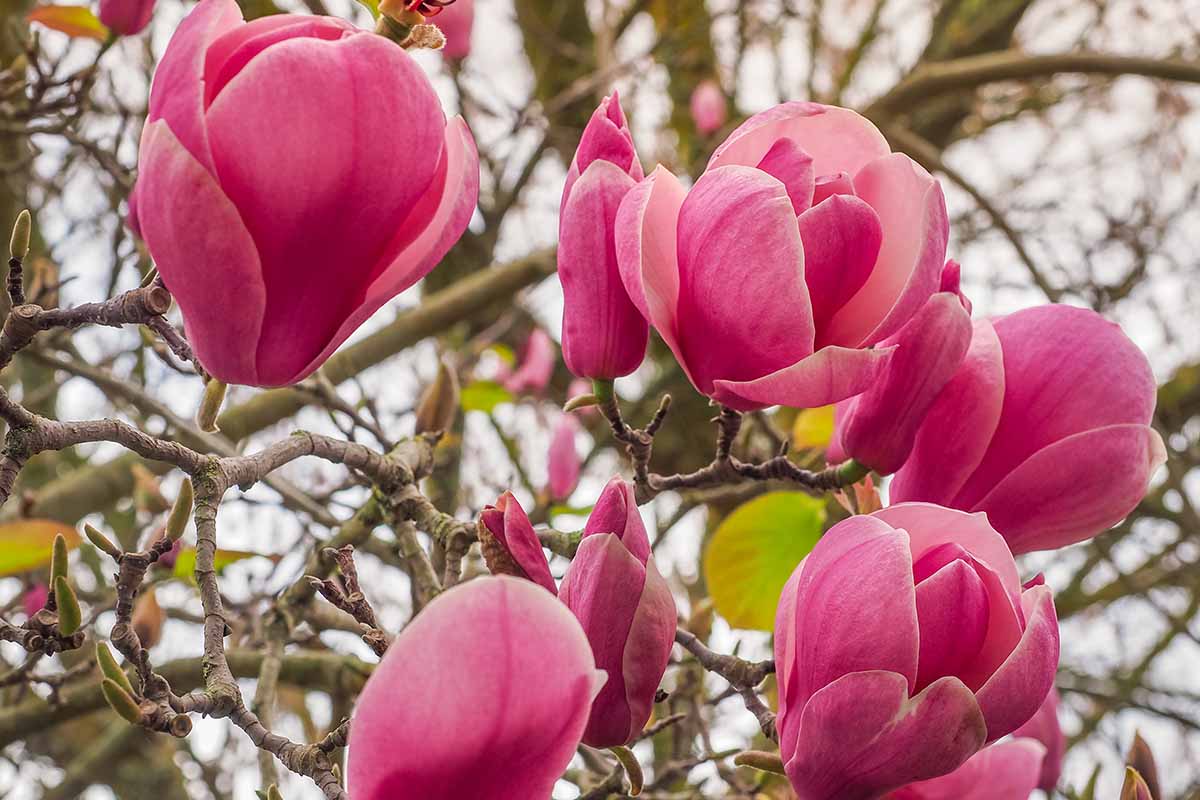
<point x="998" y="162"/>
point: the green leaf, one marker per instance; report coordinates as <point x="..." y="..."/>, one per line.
<point x="754" y="551"/>
<point x="571" y="511"/>
<point x="484" y="396"/>
<point x="813" y="428"/>
<point x="28" y="544"/>
<point x="74" y="21"/>
<point x="185" y="564"/>
<point x="372" y="6"/>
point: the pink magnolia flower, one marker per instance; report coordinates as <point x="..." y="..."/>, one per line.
<point x="536" y="366"/>
<point x="126" y="17"/>
<point x="455" y="22"/>
<point x="627" y="612"/>
<point x="1003" y="771"/>
<point x="708" y="107"/>
<point x="484" y="695"/>
<point x="564" y="458"/>
<point x="510" y="544"/>
<point x="280" y="227"/>
<point x="1029" y="429"/>
<point x="1043" y="727"/>
<point x="904" y="643"/>
<point x="877" y="428"/>
<point x="803" y="244"/>
<point x="604" y="334"/>
<point x="34" y="599"/>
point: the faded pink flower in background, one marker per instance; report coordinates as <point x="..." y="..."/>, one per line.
<point x="708" y="107"/>
<point x="126" y="17"/>
<point x="304" y="256"/>
<point x="564" y="461"/>
<point x="805" y="243"/>
<point x="535" y="367"/>
<point x="456" y="21"/>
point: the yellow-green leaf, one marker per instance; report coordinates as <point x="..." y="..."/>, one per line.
<point x="185" y="564"/>
<point x="813" y="428"/>
<point x="484" y="396"/>
<point x="372" y="6"/>
<point x="75" y="21"/>
<point x="754" y="551"/>
<point x="28" y="544"/>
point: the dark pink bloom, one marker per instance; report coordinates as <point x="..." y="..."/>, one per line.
<point x="34" y="599"/>
<point x="280" y="227"/>
<point x="484" y="695"/>
<point x="627" y="612"/>
<point x="1003" y="771"/>
<point x="709" y="108"/>
<point x="564" y="461"/>
<point x="455" y="22"/>
<point x="517" y="541"/>
<point x="536" y="366"/>
<point x="1029" y="429"/>
<point x="1044" y="728"/>
<point x="904" y="643"/>
<point x="604" y="334"/>
<point x="877" y="428"/>
<point x="126" y="17"/>
<point x="805" y="243"/>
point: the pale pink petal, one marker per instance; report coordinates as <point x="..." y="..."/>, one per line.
<point x="564" y="462"/>
<point x="424" y="237"/>
<point x="1013" y="694"/>
<point x="912" y="212"/>
<point x="1043" y="726"/>
<point x="787" y="162"/>
<point x="648" y="648"/>
<point x="708" y="107"/>
<point x="1002" y="771"/>
<point x="830" y="185"/>
<point x="862" y="736"/>
<point x="838" y="139"/>
<point x="841" y="239"/>
<point x="496" y="678"/>
<point x="827" y="376"/>
<point x="456" y="22"/>
<point x="952" y="608"/>
<point x="959" y="426"/>
<point x="787" y="721"/>
<point x="743" y="306"/>
<point x="1070" y="491"/>
<point x="179" y="225"/>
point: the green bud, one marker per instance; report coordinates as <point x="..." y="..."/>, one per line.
<point x="101" y="541"/>
<point x="210" y="406"/>
<point x="58" y="558"/>
<point x="273" y="793"/>
<point x="110" y="669"/>
<point x="69" y="615"/>
<point x="181" y="512"/>
<point x="121" y="701"/>
<point x="1135" y="787"/>
<point x="18" y="245"/>
<point x="633" y="769"/>
<point x="757" y="759"/>
<point x="581" y="401"/>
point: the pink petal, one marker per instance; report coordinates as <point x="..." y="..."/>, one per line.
<point x="787" y="162"/>
<point x="827" y="376"/>
<point x="177" y="93"/>
<point x="537" y="364"/>
<point x="1013" y="694"/>
<point x="830" y="185"/>
<point x="604" y="333"/>
<point x="838" y="139"/>
<point x="855" y="607"/>
<point x="606" y="137"/>
<point x="126" y="17"/>
<point x="1069" y="491"/>
<point x="862" y="736"/>
<point x="616" y="512"/>
<point x="881" y="425"/>
<point x="564" y="461"/>
<point x="708" y="107"/>
<point x="739" y="249"/>
<point x="603" y="588"/>
<point x="509" y="523"/>
<point x="841" y="239"/>
<point x="646" y="251"/>
<point x="456" y="22"/>
<point x="425" y="235"/>
<point x="497" y="679"/>
<point x="184" y="206"/>
<point x="952" y="608"/>
<point x="787" y="720"/>
<point x="1066" y="370"/>
<point x="648" y="648"/>
<point x="1002" y="771"/>
<point x="958" y="428"/>
<point x="1043" y="727"/>
<point x="912" y="212"/>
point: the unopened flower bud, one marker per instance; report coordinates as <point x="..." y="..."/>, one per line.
<point x="58" y="558"/>
<point x="147" y="620"/>
<point x="757" y="759"/>
<point x="1141" y="758"/>
<point x="1135" y="787"/>
<point x="110" y="669"/>
<point x="69" y="615"/>
<point x="439" y="403"/>
<point x="181" y="512"/>
<point x="210" y="405"/>
<point x="100" y="541"/>
<point x="121" y="701"/>
<point x="18" y="245"/>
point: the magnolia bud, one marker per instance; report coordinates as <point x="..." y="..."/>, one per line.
<point x="110" y="669"/>
<point x="757" y="759"/>
<point x="1135" y="787"/>
<point x="147" y="620"/>
<point x="58" y="558"/>
<point x="181" y="512"/>
<point x="100" y="541"/>
<point x="121" y="701"/>
<point x="439" y="403"/>
<point x="210" y="405"/>
<point x="1141" y="758"/>
<point x="69" y="615"/>
<point x="18" y="245"/>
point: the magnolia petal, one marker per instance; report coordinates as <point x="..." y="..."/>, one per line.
<point x="1043" y="726"/>
<point x="952" y="608"/>
<point x="1015" y="691"/>
<point x="648" y="648"/>
<point x="1002" y="771"/>
<point x="827" y="376"/>
<point x="616" y="511"/>
<point x="841" y="239"/>
<point x="787" y="162"/>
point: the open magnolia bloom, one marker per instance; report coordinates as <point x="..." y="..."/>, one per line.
<point x="1045" y="427"/>
<point x="903" y="643"/>
<point x="1006" y="770"/>
<point x="484" y="695"/>
<point x="805" y="242"/>
<point x="268" y="193"/>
